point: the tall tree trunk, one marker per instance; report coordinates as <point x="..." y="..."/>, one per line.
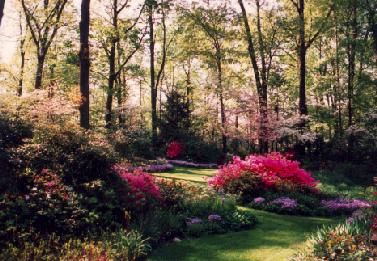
<point x="351" y="54"/>
<point x="263" y="102"/>
<point x="84" y="63"/>
<point x="152" y="76"/>
<point x="302" y="58"/>
<point x="39" y="73"/>
<point x="2" y="4"/>
<point x="22" y="69"/>
<point x="337" y="73"/>
<point x="221" y="97"/>
<point x="260" y="77"/>
<point x="22" y="55"/>
<point x="112" y="73"/>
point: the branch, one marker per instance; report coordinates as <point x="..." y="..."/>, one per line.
<point x="296" y="5"/>
<point x="320" y="30"/>
<point x="130" y="56"/>
<point x="163" y="62"/>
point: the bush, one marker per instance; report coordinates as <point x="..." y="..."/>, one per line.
<point x="49" y="206"/>
<point x="121" y="245"/>
<point x="200" y="151"/>
<point x="13" y="130"/>
<point x="143" y="192"/>
<point x="133" y="144"/>
<point x="347" y="241"/>
<point x="68" y="151"/>
<point x="257" y="173"/>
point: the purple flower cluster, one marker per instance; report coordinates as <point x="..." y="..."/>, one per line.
<point x="184" y="163"/>
<point x="259" y="200"/>
<point x="159" y="168"/>
<point x="193" y="221"/>
<point x="214" y="217"/>
<point x="285" y="202"/>
<point x="342" y="203"/>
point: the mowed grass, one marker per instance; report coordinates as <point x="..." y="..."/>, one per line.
<point x="188" y="174"/>
<point x="276" y="237"/>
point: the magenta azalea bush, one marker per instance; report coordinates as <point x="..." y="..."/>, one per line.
<point x="143" y="190"/>
<point x="272" y="169"/>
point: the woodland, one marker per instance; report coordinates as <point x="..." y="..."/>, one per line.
<point x="188" y="130"/>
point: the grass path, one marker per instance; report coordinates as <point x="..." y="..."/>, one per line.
<point x="275" y="238"/>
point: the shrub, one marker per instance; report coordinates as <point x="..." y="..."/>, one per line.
<point x="343" y="242"/>
<point x="143" y="193"/>
<point x="49" y="206"/>
<point x="200" y="151"/>
<point x="133" y="143"/>
<point x="272" y="171"/>
<point x="67" y="151"/>
<point x="174" y="150"/>
<point x="120" y="245"/>
<point x="13" y="130"/>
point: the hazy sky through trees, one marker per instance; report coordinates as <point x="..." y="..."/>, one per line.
<point x="9" y="31"/>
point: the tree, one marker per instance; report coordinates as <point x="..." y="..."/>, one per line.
<point x="23" y="36"/>
<point x="84" y="63"/>
<point x="260" y="74"/>
<point x="152" y="6"/>
<point x="303" y="45"/>
<point x="44" y="23"/>
<point x="214" y="23"/>
<point x="120" y="41"/>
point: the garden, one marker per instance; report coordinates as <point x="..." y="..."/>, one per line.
<point x="162" y="130"/>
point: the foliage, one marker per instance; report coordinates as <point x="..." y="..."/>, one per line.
<point x="343" y="242"/>
<point x="120" y="245"/>
<point x="67" y="151"/>
<point x="48" y="206"/>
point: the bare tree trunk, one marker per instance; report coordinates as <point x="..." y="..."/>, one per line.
<point x="351" y="53"/>
<point x="221" y="97"/>
<point x="302" y="58"/>
<point x="22" y="69"/>
<point x="22" y="54"/>
<point x="260" y="77"/>
<point x="84" y="63"/>
<point x="338" y="92"/>
<point x="152" y="76"/>
<point x="2" y="4"/>
<point x="112" y="73"/>
<point x="39" y="73"/>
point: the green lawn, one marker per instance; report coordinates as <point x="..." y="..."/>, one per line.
<point x="188" y="174"/>
<point x="275" y="238"/>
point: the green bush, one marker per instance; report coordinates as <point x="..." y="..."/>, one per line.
<point x="248" y="186"/>
<point x="348" y="241"/>
<point x="120" y="245"/>
<point x="197" y="150"/>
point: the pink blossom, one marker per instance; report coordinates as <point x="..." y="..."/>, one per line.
<point x="271" y="168"/>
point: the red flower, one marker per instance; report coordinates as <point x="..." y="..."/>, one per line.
<point x="174" y="150"/>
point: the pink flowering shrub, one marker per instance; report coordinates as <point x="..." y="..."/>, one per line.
<point x="272" y="170"/>
<point x="174" y="150"/>
<point x="143" y="190"/>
